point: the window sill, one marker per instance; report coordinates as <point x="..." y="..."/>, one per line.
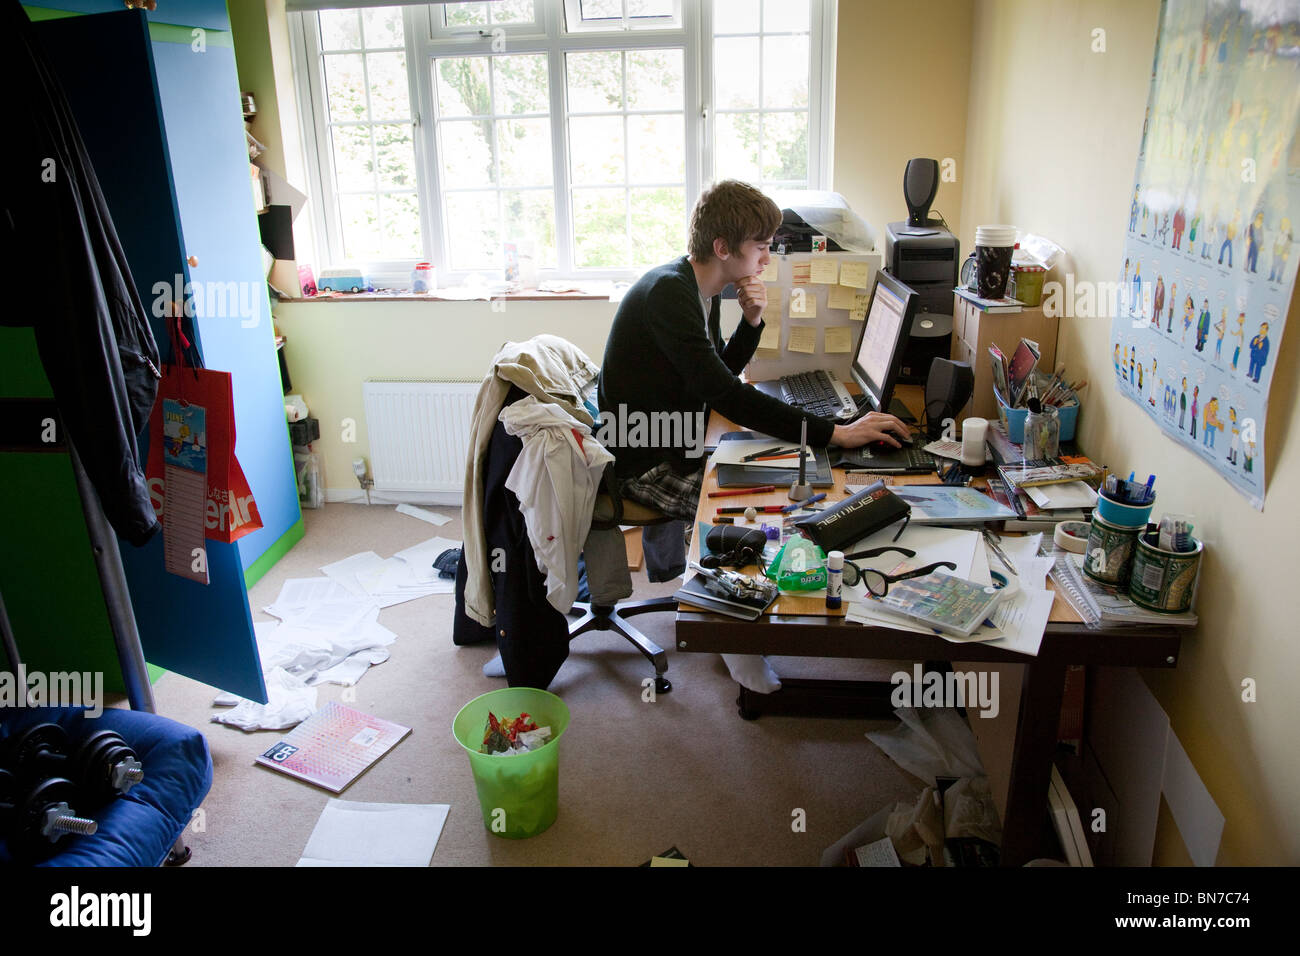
<point x="529" y="295"/>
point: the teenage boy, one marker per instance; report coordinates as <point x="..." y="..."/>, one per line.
<point x="665" y="352"/>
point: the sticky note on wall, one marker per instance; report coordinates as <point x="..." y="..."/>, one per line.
<point x="800" y="273"/>
<point x="839" y="338"/>
<point x="803" y="304"/>
<point x="771" y="337"/>
<point x="840" y="297"/>
<point x="770" y="273"/>
<point x="803" y="338"/>
<point x="824" y="270"/>
<point x="854" y="274"/>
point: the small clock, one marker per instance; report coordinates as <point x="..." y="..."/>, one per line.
<point x="968" y="272"/>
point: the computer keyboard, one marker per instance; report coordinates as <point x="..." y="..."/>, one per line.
<point x="819" y="393"/>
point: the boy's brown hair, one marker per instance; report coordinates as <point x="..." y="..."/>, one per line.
<point x="734" y="212"/>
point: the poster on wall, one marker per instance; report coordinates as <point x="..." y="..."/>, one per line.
<point x="1208" y="267"/>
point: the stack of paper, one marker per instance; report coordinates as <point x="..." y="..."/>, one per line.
<point x="1016" y="623"/>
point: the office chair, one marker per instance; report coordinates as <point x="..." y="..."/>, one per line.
<point x="611" y="512"/>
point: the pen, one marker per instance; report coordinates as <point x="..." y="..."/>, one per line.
<point x="799" y="504"/>
<point x="992" y="539"/>
<point x="761" y="509"/>
<point x="793" y="454"/>
<point x="779" y="449"/>
<point x="742" y="491"/>
<point x="1150" y="492"/>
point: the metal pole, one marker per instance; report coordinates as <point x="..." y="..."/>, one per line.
<point x="117" y="598"/>
<point x="10" y="645"/>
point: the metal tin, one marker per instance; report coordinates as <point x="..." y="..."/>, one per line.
<point x="1164" y="580"/>
<point x="1109" y="558"/>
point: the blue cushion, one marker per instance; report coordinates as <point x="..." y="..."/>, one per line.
<point x="140" y="828"/>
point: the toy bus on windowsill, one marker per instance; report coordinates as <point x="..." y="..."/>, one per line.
<point x="343" y="280"/>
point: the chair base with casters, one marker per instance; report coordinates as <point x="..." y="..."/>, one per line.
<point x="612" y="511"/>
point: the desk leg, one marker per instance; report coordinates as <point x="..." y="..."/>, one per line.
<point x="1031" y="762"/>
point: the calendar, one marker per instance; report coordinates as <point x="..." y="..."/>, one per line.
<point x="333" y="746"/>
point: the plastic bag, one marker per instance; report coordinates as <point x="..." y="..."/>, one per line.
<point x="799" y="566"/>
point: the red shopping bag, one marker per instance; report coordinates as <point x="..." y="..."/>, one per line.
<point x="231" y="510"/>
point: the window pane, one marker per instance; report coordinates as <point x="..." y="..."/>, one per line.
<point x="401" y="215"/>
<point x="339" y="30"/>
<point x="383" y="27"/>
<point x="596" y="144"/>
<point x="390" y="96"/>
<point x="601" y="9"/>
<point x="359" y="218"/>
<point x="735" y="146"/>
<point x="512" y="11"/>
<point x="467" y="154"/>
<point x="474" y="231"/>
<point x="465" y="14"/>
<point x="785" y="146"/>
<point x="785" y="16"/>
<point x="786" y="58"/>
<point x="396" y="153"/>
<point x="658" y="225"/>
<point x="525" y="152"/>
<point x="654" y="80"/>
<point x="735" y="73"/>
<point x="656" y="148"/>
<point x="531" y="215"/>
<point x="521" y="84"/>
<point x="463" y="86"/>
<point x="353" y="162"/>
<point x="345" y="86"/>
<point x="595" y="82"/>
<point x="735" y="16"/>
<point x="649" y="8"/>
<point x="600" y="229"/>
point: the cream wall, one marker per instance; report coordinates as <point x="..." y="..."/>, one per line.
<point x="1068" y="174"/>
<point x="332" y="347"/>
<point x="902" y="70"/>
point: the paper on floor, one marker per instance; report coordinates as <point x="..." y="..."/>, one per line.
<point x="430" y="516"/>
<point x="375" y="834"/>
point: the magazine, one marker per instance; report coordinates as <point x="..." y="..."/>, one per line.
<point x="333" y="746"/>
<point x="947" y="504"/>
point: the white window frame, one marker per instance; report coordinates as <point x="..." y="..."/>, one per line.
<point x="427" y="39"/>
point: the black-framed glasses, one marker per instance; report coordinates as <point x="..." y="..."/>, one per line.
<point x="878" y="582"/>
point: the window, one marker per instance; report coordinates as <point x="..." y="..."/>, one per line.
<point x="582" y="129"/>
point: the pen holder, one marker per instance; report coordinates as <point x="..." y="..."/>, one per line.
<point x="1109" y="555"/>
<point x="1124" y="515"/>
<point x="1164" y="580"/>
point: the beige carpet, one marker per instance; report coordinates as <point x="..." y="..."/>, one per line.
<point x="635" y="778"/>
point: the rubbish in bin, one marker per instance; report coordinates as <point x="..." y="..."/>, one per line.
<point x="518" y="735"/>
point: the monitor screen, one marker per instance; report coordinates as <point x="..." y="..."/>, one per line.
<point x="884" y="334"/>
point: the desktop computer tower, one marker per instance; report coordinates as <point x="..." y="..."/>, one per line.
<point x="926" y="258"/>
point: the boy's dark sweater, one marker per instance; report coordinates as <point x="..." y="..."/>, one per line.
<point x="661" y="357"/>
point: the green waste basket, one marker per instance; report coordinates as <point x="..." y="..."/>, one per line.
<point x="519" y="795"/>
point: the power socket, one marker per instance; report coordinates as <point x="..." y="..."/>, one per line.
<point x="359" y="468"/>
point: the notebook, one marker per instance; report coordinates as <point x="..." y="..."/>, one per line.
<point x="742" y="476"/>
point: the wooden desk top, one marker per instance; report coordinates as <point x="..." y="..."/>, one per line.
<point x="795" y="604"/>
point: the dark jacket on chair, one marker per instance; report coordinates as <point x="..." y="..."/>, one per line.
<point x="531" y="635"/>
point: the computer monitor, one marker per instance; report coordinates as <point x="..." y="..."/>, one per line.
<point x="883" y="338"/>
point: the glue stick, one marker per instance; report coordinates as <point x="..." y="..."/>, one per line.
<point x="834" y="578"/>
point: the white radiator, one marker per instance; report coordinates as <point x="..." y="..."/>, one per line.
<point x="419" y="434"/>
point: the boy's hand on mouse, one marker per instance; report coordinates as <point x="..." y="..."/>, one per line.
<point x="873" y="426"/>
<point x="751" y="295"/>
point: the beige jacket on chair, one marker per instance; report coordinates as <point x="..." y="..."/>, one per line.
<point x="549" y="368"/>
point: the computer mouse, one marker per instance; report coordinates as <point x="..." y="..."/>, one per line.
<point x="879" y="447"/>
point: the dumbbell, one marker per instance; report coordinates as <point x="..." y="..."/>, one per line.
<point x="34" y="821"/>
<point x="103" y="766"/>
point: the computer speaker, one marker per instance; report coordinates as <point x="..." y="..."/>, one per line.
<point x="920" y="184"/>
<point x="947" y="390"/>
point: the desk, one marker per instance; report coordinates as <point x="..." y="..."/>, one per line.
<point x="803" y="627"/>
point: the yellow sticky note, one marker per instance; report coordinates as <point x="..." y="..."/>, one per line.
<point x="839" y="338"/>
<point x="854" y="274"/>
<point x="667" y="861"/>
<point x="803" y="338"/>
<point x="859" y="310"/>
<point x="770" y="271"/>
<point x="772" y="310"/>
<point x="771" y="337"/>
<point x="825" y="270"/>
<point x="801" y="273"/>
<point x="840" y="297"/>
<point x="803" y="304"/>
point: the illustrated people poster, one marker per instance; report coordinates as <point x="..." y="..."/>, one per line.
<point x="1208" y="268"/>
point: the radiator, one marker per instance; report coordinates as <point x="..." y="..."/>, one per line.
<point x="419" y="434"/>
